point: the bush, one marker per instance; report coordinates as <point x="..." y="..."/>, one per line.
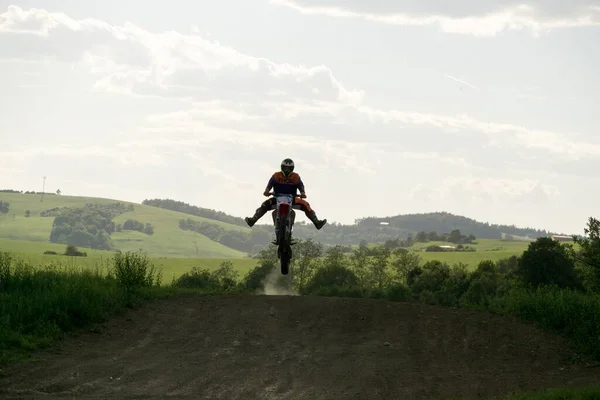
<point x="254" y="279"/>
<point x="592" y="393"/>
<point x="223" y="279"/>
<point x="134" y="270"/>
<point x="197" y="279"/>
<point x="567" y="312"/>
<point x="74" y="252"/>
<point x="334" y="277"/>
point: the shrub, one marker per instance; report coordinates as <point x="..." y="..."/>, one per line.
<point x="71" y="250"/>
<point x="332" y="276"/>
<point x="223" y="279"/>
<point x="567" y="312"/>
<point x="134" y="270"/>
<point x="39" y="304"/>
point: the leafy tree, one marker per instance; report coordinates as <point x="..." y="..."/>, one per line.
<point x="378" y="267"/>
<point x="589" y="253"/>
<point x="335" y="275"/>
<point x="135" y="225"/>
<point x="306" y="261"/>
<point x="421" y="237"/>
<point x="359" y="260"/>
<point x="404" y="262"/>
<point x="548" y="262"/>
<point x="226" y="275"/>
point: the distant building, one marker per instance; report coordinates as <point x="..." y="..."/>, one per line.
<point x="561" y="238"/>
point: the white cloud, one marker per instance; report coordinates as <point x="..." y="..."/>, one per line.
<point x="479" y="18"/>
<point x="227" y="118"/>
<point x="230" y="89"/>
<point x="126" y="57"/>
<point x="490" y="191"/>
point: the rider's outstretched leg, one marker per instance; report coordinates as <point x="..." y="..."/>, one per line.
<point x="260" y="211"/>
<point x="318" y="223"/>
<point x="310" y="213"/>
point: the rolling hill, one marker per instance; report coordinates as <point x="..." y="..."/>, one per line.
<point x="371" y="229"/>
<point x="181" y="230"/>
<point x="168" y="240"/>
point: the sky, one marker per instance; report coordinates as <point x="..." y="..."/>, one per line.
<point x="487" y="109"/>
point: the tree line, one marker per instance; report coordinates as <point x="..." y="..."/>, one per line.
<point x="446" y="222"/>
<point x="58" y="192"/>
<point x="438" y="226"/>
<point x="250" y="243"/>
<point x="186" y="208"/>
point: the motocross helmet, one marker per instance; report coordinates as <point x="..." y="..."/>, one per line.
<point x="287" y="167"/>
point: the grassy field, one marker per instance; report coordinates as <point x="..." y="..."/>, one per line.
<point x="173" y="267"/>
<point x="167" y="241"/>
<point x="32" y="252"/>
<point x="486" y="249"/>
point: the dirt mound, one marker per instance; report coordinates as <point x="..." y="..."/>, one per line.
<point x="279" y="347"/>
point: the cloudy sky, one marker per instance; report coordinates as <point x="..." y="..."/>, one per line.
<point x="487" y="109"/>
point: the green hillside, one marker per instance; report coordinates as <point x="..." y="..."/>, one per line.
<point x="369" y="229"/>
<point x="169" y="228"/>
<point x="168" y="240"/>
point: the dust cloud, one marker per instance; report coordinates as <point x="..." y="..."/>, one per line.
<point x="276" y="284"/>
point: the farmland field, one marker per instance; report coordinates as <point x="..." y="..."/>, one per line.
<point x="171" y="267"/>
<point x="167" y="241"/>
<point x="486" y="249"/>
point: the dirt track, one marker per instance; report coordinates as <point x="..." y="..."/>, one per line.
<point x="279" y="347"/>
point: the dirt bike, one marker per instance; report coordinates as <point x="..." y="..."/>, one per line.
<point x="283" y="218"/>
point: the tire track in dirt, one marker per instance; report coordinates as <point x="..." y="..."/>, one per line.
<point x="294" y="347"/>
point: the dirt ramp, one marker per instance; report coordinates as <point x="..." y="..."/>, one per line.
<point x="278" y="347"/>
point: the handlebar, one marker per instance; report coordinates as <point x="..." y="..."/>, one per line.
<point x="271" y="194"/>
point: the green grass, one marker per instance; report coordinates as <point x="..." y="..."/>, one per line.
<point x="39" y="304"/>
<point x="172" y="268"/>
<point x="167" y="241"/>
<point x="486" y="249"/>
<point x="592" y="393"/>
<point x="565" y="312"/>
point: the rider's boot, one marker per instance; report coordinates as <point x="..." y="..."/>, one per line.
<point x="257" y="215"/>
<point x="317" y="222"/>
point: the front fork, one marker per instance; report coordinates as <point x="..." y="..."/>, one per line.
<point x="292" y="216"/>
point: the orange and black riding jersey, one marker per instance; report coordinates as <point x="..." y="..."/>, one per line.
<point x="286" y="185"/>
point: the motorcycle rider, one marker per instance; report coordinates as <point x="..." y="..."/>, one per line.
<point x="286" y="181"/>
